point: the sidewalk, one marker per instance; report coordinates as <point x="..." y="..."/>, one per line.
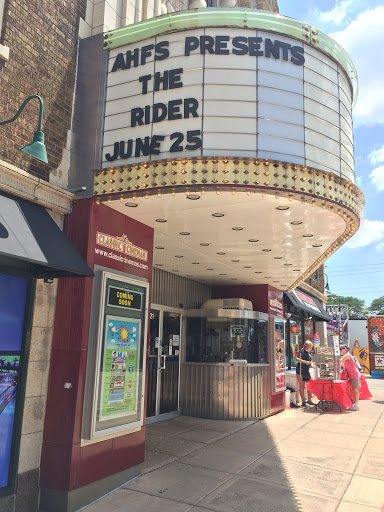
<point x="297" y="460"/>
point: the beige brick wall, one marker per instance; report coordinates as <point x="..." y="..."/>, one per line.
<point x="37" y="372"/>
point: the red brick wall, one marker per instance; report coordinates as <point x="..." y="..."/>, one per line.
<point x="42" y="37"/>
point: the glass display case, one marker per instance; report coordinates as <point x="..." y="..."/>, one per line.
<point x="327" y="363"/>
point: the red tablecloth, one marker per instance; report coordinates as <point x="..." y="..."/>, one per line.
<point x="332" y="391"/>
<point x="364" y="390"/>
<point x="339" y="391"/>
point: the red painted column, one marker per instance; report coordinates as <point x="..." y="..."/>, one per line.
<point x="65" y="464"/>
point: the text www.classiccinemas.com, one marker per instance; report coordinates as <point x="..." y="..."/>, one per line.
<point x="123" y="259"/>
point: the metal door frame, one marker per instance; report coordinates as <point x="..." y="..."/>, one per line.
<point x="169" y="415"/>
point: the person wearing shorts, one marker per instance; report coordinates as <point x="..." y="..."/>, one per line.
<point x="353" y="374"/>
<point x="304" y="363"/>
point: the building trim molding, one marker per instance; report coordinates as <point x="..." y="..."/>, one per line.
<point x="19" y="183"/>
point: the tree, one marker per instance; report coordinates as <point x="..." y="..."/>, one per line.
<point x="357" y="307"/>
<point x="377" y="306"/>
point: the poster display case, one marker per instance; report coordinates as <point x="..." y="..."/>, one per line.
<point x="278" y="351"/>
<point x="116" y="356"/>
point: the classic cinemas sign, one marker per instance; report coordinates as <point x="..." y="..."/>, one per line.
<point x="171" y="79"/>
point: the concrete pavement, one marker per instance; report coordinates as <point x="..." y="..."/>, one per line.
<point x="298" y="460"/>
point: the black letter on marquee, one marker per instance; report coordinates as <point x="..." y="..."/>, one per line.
<point x="137" y="116"/>
<point x="156" y="116"/>
<point x="174" y="110"/>
<point x="206" y="44"/>
<point x="297" y="55"/>
<point x="273" y="48"/>
<point x="285" y="47"/>
<point x="155" y="144"/>
<point x="144" y="80"/>
<point x="240" y="43"/>
<point x="142" y="146"/>
<point x="128" y="153"/>
<point x="191" y="43"/>
<point x="146" y="51"/>
<point x="254" y="46"/>
<point x="129" y="58"/>
<point x="174" y="78"/>
<point x="190" y="107"/>
<point x="119" y="62"/>
<point x="221" y="45"/>
<point x="161" y="50"/>
<point x="108" y="156"/>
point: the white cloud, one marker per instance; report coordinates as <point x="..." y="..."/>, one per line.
<point x="377" y="178"/>
<point x="363" y="39"/>
<point x="380" y="247"/>
<point x="371" y="232"/>
<point x="377" y="156"/>
<point x="337" y="14"/>
<point x="359" y="181"/>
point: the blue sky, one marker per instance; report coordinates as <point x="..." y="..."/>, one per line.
<point x="357" y="269"/>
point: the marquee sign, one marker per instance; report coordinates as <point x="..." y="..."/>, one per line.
<point x="218" y="92"/>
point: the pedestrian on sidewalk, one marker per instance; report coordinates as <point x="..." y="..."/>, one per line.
<point x="352" y="373"/>
<point x="304" y="360"/>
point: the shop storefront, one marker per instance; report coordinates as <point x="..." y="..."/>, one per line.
<point x="306" y="320"/>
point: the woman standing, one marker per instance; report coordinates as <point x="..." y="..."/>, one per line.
<point x="353" y="374"/>
<point x="304" y="360"/>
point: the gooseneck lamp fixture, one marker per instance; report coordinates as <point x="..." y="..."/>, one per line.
<point x="317" y="280"/>
<point x="37" y="147"/>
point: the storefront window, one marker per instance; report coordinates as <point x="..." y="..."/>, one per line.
<point x="13" y="293"/>
<point x="217" y="340"/>
<point x="296" y="339"/>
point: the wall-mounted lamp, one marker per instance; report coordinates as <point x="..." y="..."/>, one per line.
<point x="37" y="147"/>
<point x="288" y="315"/>
<point x="317" y="279"/>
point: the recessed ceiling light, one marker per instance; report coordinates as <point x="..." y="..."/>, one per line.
<point x="296" y="270"/>
<point x="248" y="267"/>
<point x="252" y="240"/>
<point x="174" y="270"/>
<point x="220" y="253"/>
<point x="222" y="274"/>
<point x="158" y="247"/>
<point x="193" y="197"/>
<point x="296" y="222"/>
<point x="307" y="235"/>
<point x="267" y="277"/>
<point x="266" y="250"/>
<point x="235" y="261"/>
<point x="317" y="245"/>
<point x="161" y="220"/>
<point x="184" y="233"/>
<point x="237" y="228"/>
<point x="217" y="214"/>
<point x="276" y="281"/>
<point x="233" y="278"/>
<point x="204" y="244"/>
<point x="287" y="264"/>
<point x="159" y="265"/>
<point x="278" y="257"/>
<point x="282" y="208"/>
<point x="179" y="256"/>
<point x="209" y="268"/>
<point x="195" y="263"/>
<point x="258" y="272"/>
<point x="131" y="205"/>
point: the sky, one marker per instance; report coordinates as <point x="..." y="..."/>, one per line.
<point x="357" y="269"/>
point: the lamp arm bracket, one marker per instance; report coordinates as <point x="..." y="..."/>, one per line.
<point x="22" y="108"/>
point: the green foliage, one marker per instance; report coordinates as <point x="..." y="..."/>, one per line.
<point x="377" y="306"/>
<point x="357" y="307"/>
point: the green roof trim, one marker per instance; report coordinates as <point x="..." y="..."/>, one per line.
<point x="233" y="17"/>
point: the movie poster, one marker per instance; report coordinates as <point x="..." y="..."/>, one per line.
<point x="376" y="334"/>
<point x="120" y="376"/>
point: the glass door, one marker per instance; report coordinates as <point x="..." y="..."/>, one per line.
<point x="163" y="364"/>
